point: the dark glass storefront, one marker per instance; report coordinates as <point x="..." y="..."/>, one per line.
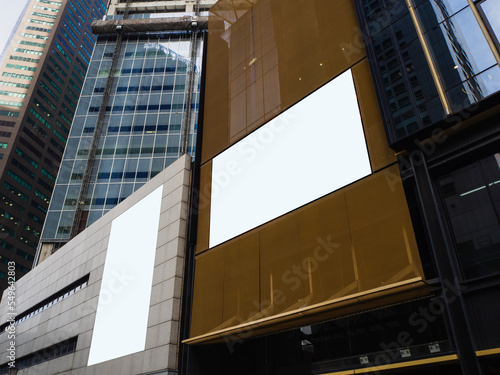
<point x="397" y="334"/>
<point x="471" y="197"/>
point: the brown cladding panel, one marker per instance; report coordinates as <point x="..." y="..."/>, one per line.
<point x="355" y="240"/>
<point x="380" y="153"/>
<point x="280" y="255"/>
<point x="351" y="242"/>
<point x="241" y="280"/>
<point x="216" y="102"/>
<point x="208" y="294"/>
<point x="316" y="40"/>
<point x="383" y="239"/>
<point x="326" y="249"/>
<point x="204" y="207"/>
<point x="264" y="60"/>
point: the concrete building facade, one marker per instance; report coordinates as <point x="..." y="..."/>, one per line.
<point x="67" y="305"/>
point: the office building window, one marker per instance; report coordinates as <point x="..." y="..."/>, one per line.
<point x="57" y="3"/>
<point x="18" y="179"/>
<point x="34" y="36"/>
<point x="41" y="29"/>
<point x="471" y="198"/>
<point x="46" y="354"/>
<point x="15" y="75"/>
<point x="13" y="94"/>
<point x="27" y="158"/>
<point x="21" y="67"/>
<point x="14" y="84"/>
<point x="459" y="50"/>
<point x="491" y="16"/>
<point x="8" y="124"/>
<point x="45" y="8"/>
<point x="142" y="134"/>
<point x="9" y="113"/>
<point x="28" y="51"/>
<point x="40" y="22"/>
<point x="27" y="59"/>
<point x="38" y="14"/>
<point x="10" y="104"/>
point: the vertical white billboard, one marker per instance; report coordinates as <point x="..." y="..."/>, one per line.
<point x="122" y="313"/>
<point x="315" y="147"/>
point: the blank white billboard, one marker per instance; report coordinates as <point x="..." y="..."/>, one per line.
<point x="122" y="312"/>
<point x="313" y="148"/>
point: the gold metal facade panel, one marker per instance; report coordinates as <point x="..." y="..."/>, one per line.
<point x="383" y="240"/>
<point x="304" y="65"/>
<point x="208" y="299"/>
<point x="216" y="101"/>
<point x="326" y="246"/>
<point x="265" y="58"/>
<point x="280" y="251"/>
<point x="204" y="207"/>
<point x="227" y="286"/>
<point x="306" y="315"/>
<point x="332" y="255"/>
<point x="350" y="242"/>
<point x="381" y="155"/>
<point x="241" y="280"/>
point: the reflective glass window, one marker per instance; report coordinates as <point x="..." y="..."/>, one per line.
<point x="71" y="196"/>
<point x="118" y="168"/>
<point x="130" y="170"/>
<point x="112" y="196"/>
<point x="471" y="198"/>
<point x="491" y="12"/>
<point x="143" y="169"/>
<point x="149" y="70"/>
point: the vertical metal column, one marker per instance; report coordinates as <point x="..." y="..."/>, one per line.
<point x="446" y="265"/>
<point x="193" y="55"/>
<point x="186" y="124"/>
<point x="435" y="75"/>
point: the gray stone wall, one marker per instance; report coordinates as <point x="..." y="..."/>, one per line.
<point x="75" y="315"/>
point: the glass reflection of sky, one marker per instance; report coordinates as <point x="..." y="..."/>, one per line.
<point x="491" y="80"/>
<point x="491" y="9"/>
<point x="453" y="6"/>
<point x="473" y="40"/>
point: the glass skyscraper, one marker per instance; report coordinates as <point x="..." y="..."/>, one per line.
<point x="461" y="42"/>
<point x="41" y="78"/>
<point x="147" y="121"/>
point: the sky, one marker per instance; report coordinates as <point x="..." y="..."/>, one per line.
<point x="11" y="10"/>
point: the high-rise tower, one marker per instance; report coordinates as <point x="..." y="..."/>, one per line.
<point x="41" y="77"/>
<point x="137" y="113"/>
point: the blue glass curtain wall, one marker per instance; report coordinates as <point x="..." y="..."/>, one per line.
<point x="142" y="131"/>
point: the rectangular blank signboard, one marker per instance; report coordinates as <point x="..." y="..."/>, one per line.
<point x="315" y="147"/>
<point x="123" y="308"/>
